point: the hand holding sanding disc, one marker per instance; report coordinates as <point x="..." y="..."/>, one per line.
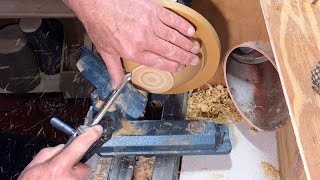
<point x="161" y="82"/>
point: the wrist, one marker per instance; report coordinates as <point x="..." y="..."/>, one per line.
<point x="81" y="7"/>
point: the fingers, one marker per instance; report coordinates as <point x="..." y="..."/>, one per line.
<point x="172" y="52"/>
<point x="45" y="155"/>
<point x="82" y="171"/>
<point x="175" y="21"/>
<point x="73" y="153"/>
<point x="151" y="59"/>
<point x="114" y="67"/>
<point x="173" y="36"/>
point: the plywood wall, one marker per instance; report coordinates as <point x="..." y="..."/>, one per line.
<point x="291" y="167"/>
<point x="236" y="22"/>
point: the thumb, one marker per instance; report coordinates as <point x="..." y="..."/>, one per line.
<point x="82" y="171"/>
<point x="114" y="67"/>
<point x="45" y="155"/>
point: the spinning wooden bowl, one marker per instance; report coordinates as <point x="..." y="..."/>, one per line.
<point x="158" y="81"/>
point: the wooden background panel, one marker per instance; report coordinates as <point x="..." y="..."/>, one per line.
<point x="291" y="167"/>
<point x="34" y="8"/>
<point x="293" y="27"/>
<point x="236" y="22"/>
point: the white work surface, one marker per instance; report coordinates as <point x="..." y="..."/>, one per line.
<point x="249" y="149"/>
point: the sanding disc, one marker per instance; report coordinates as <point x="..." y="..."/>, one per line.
<point x="192" y="76"/>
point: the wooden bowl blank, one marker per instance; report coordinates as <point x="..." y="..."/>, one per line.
<point x="192" y="76"/>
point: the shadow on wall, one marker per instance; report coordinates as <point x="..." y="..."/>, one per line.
<point x="217" y="19"/>
<point x="6" y="22"/>
<point x="236" y="22"/>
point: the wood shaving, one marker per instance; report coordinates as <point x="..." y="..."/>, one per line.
<point x="128" y="129"/>
<point x="270" y="170"/>
<point x="101" y="172"/>
<point x="218" y="176"/>
<point x="212" y="103"/>
<point x="253" y="129"/>
<point x="143" y="168"/>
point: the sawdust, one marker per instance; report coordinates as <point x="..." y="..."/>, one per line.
<point x="253" y="129"/>
<point x="213" y="103"/>
<point x="143" y="168"/>
<point x="100" y="105"/>
<point x="218" y="176"/>
<point x="243" y="93"/>
<point x="101" y="170"/>
<point x="270" y="170"/>
<point x="128" y="129"/>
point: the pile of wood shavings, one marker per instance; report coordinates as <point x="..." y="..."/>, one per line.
<point x="101" y="170"/>
<point x="143" y="168"/>
<point x="270" y="170"/>
<point x="213" y="103"/>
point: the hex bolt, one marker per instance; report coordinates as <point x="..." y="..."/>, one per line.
<point x="196" y="127"/>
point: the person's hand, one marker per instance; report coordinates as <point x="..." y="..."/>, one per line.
<point x="58" y="163"/>
<point x="140" y="30"/>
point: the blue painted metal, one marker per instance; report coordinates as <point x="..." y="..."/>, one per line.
<point x="167" y="137"/>
<point x="95" y="71"/>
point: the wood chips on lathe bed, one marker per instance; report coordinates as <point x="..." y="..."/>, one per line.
<point x="143" y="168"/>
<point x="212" y="103"/>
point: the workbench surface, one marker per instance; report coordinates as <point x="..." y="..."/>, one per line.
<point x="249" y="150"/>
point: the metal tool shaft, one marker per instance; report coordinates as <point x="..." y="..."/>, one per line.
<point x="61" y="126"/>
<point x="110" y="101"/>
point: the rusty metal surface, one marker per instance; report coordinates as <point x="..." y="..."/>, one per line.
<point x="255" y="87"/>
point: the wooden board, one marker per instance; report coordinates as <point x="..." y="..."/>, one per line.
<point x="288" y="154"/>
<point x="297" y="172"/>
<point x="236" y="22"/>
<point x="34" y="8"/>
<point x="293" y="28"/>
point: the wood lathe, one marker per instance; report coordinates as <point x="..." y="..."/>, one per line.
<point x="129" y="130"/>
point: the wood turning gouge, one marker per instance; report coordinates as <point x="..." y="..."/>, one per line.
<point x="60" y="125"/>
